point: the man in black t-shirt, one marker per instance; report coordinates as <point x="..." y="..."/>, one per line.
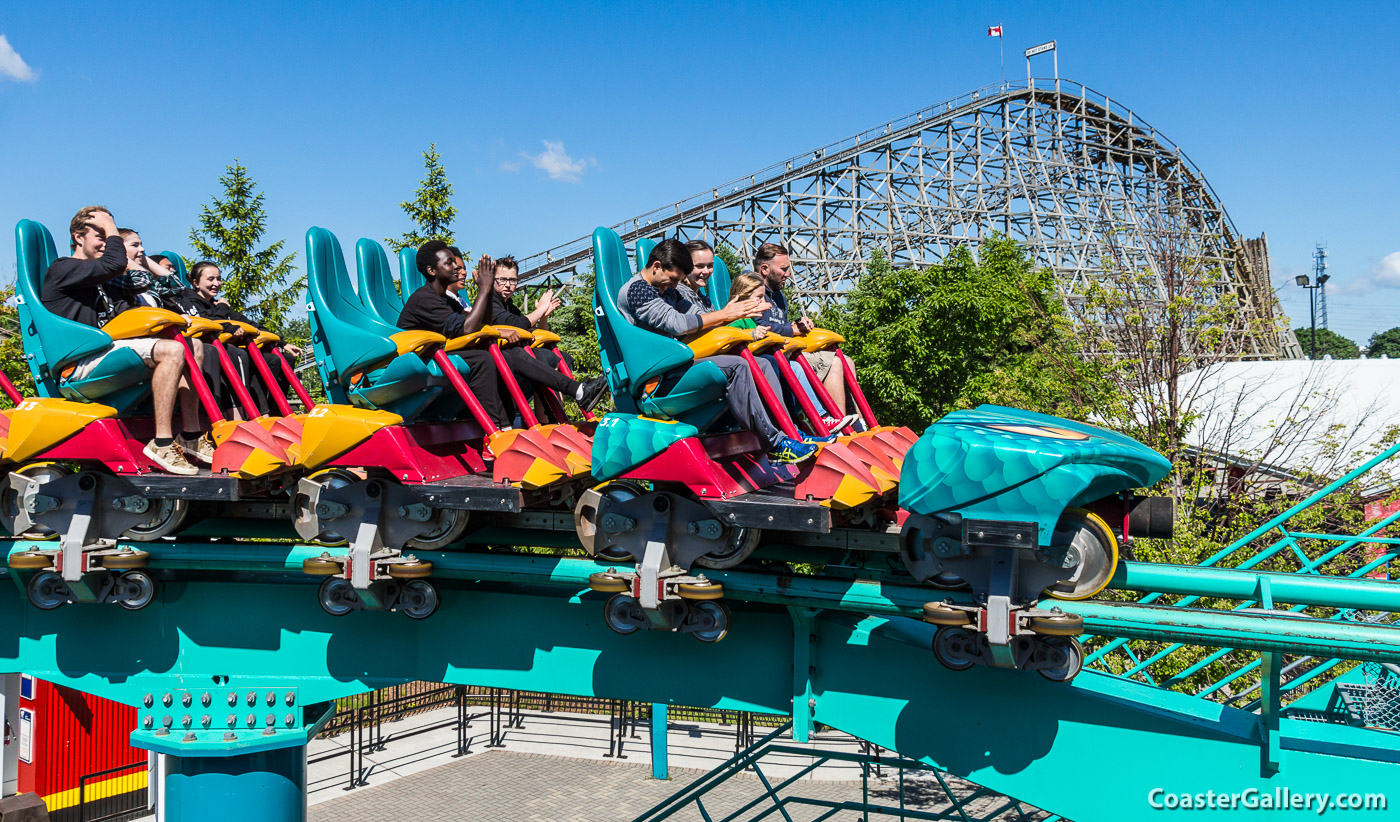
<point x="538" y="365"/>
<point x="433" y="308"/>
<point x="73" y="288"/>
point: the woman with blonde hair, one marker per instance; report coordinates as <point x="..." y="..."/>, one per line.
<point x="744" y="287"/>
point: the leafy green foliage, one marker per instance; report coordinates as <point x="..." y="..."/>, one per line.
<point x="1329" y="342"/>
<point x="12" y="360"/>
<point x="431" y="208"/>
<point x="926" y="341"/>
<point x="1384" y="343"/>
<point x="258" y="283"/>
<point x="573" y="322"/>
<point x="297" y="331"/>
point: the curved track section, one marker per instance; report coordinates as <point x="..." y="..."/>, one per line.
<point x="1074" y="175"/>
<point x="530" y="623"/>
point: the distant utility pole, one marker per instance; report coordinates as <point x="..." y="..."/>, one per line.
<point x="1319" y="269"/>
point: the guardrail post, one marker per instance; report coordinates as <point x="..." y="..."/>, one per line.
<point x="1269" y="707"/>
<point x="660" y="766"/>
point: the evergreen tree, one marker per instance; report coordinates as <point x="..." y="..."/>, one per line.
<point x="258" y="283"/>
<point x="1385" y="343"/>
<point x="431" y="210"/>
<point x="1329" y="342"/>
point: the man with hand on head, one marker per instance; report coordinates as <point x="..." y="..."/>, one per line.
<point x="74" y="289"/>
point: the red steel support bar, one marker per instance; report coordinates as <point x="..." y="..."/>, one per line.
<point x="14" y="395"/>
<point x="295" y="381"/>
<point x="548" y="396"/>
<point x="819" y="387"/>
<point x="265" y="374"/>
<point x="803" y="401"/>
<point x="569" y="372"/>
<point x="488" y="425"/>
<point x="196" y="378"/>
<point x="765" y="391"/>
<point x="240" y="390"/>
<point x="854" y="388"/>
<point x="513" y="387"/>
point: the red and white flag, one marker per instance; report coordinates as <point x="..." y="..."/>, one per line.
<point x="993" y="31"/>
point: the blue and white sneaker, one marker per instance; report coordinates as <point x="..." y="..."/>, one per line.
<point x="789" y="451"/>
<point x="813" y="439"/>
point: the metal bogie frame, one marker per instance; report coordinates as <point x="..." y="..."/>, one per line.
<point x="1075" y="176"/>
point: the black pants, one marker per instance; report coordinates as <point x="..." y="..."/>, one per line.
<point x="482" y="380"/>
<point x="539" y="370"/>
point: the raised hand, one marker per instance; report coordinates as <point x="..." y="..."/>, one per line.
<point x="485" y="273"/>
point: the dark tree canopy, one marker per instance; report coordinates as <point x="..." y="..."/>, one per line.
<point x="1385" y="343"/>
<point x="1329" y="342"/>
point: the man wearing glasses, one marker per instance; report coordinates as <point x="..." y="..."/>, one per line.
<point x="73" y="289"/>
<point x="540" y="365"/>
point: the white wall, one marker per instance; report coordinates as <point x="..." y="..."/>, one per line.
<point x="9" y="759"/>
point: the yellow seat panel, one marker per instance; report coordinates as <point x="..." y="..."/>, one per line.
<point x="723" y="340"/>
<point x="476" y="339"/>
<point x="417" y="342"/>
<point x="543" y="338"/>
<point x="819" y="339"/>
<point x="328" y="431"/>
<point x="200" y="328"/>
<point x="142" y="322"/>
<point x="39" y="423"/>
<point x="769" y="343"/>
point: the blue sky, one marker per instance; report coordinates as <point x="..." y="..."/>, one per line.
<point x="555" y="118"/>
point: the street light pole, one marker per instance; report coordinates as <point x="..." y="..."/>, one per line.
<point x="1306" y="282"/>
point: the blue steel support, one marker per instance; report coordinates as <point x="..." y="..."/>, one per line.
<point x="269" y="786"/>
<point x="660" y="763"/>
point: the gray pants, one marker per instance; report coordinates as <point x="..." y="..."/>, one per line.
<point x="744" y="402"/>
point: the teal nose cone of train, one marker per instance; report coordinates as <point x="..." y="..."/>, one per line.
<point x="1002" y="463"/>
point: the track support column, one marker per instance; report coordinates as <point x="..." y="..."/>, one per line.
<point x="660" y="760"/>
<point x="803" y="669"/>
<point x="232" y="751"/>
<point x="264" y="785"/>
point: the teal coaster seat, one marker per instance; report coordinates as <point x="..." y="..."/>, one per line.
<point x="717" y="289"/>
<point x="377" y="290"/>
<point x="634" y="358"/>
<point x="355" y="353"/>
<point x="379" y="296"/>
<point x="53" y="343"/>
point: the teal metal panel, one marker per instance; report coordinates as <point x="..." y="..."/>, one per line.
<point x="1091" y="750"/>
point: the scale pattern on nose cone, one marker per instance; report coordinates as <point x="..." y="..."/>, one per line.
<point x="624" y="441"/>
<point x="1003" y="463"/>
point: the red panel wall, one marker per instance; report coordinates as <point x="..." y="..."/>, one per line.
<point x="73" y="735"/>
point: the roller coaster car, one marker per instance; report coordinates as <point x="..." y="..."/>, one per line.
<point x="711" y="492"/>
<point x="998" y="501"/>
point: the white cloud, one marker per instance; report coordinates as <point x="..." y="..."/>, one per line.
<point x="12" y="66"/>
<point x="1385" y="273"/>
<point x="557" y="163"/>
<point x="509" y="165"/>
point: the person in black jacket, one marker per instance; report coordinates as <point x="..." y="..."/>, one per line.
<point x="203" y="301"/>
<point x="73" y="289"/>
<point x="542" y="367"/>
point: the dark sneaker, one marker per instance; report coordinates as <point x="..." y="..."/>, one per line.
<point x="200" y="448"/>
<point x="592" y="392"/>
<point x="789" y="451"/>
<point x="170" y="458"/>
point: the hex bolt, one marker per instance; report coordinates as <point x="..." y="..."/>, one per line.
<point x="147" y="722"/>
<point x="252" y="698"/>
<point x="187" y="720"/>
<point x="271" y="699"/>
<point x="232" y="720"/>
<point x="290" y="699"/>
<point x="190" y="737"/>
<point x="230" y="736"/>
<point x="148" y="700"/>
<point x="167" y="720"/>
<point x="187" y="700"/>
<point x="271" y="720"/>
<point x="290" y="720"/>
<point x="252" y="720"/>
<point x="232" y="699"/>
<point x="206" y="720"/>
<point x="167" y="700"/>
<point x="206" y="700"/>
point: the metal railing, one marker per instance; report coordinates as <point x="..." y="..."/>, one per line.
<point x="108" y="806"/>
<point x="776" y="797"/>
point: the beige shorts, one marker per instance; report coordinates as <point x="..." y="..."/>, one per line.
<point x="821" y="362"/>
<point x="144" y="346"/>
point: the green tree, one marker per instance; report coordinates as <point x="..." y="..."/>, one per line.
<point x="1385" y="343"/>
<point x="297" y="331"/>
<point x="1328" y="342"/>
<point x="431" y="208"/>
<point x="926" y="341"/>
<point x="258" y="283"/>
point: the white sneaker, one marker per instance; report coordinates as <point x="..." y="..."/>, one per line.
<point x="837" y="426"/>
<point x="171" y="458"/>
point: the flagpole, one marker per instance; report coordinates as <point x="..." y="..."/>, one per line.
<point x="1001" y="45"/>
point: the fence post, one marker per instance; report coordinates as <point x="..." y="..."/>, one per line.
<point x="659" y="765"/>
